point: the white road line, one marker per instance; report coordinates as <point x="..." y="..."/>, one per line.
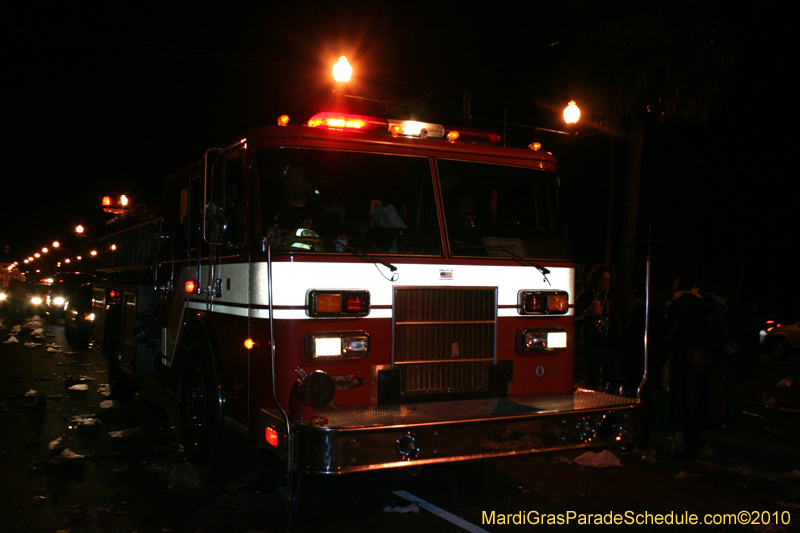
<point x="441" y="513"/>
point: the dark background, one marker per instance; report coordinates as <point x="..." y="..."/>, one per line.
<point x="109" y="98"/>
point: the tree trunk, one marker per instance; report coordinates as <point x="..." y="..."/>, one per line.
<point x="631" y="216"/>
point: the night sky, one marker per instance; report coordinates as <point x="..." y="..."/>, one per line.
<point x="112" y="98"/>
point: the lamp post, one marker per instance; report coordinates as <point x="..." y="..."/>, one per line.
<point x="342" y="72"/>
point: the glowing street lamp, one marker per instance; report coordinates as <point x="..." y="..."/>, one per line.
<point x="342" y="71"/>
<point x="45" y="250"/>
<point x="79" y="229"/>
<point x="572" y="113"/>
<point x="56" y="244"/>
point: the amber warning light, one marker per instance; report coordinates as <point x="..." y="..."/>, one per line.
<point x="190" y="286"/>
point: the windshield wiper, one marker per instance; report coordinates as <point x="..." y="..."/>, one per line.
<point x="511" y="254"/>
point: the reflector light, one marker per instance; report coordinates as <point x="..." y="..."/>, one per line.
<point x="542" y="302"/>
<point x="337" y="303"/>
<point x="249" y="343"/>
<point x="340" y="121"/>
<point x="190" y="286"/>
<point x="271" y="435"/>
<point x="329" y="303"/>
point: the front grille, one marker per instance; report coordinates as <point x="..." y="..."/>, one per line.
<point x="444" y="339"/>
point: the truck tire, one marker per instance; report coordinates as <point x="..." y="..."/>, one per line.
<point x="121" y="384"/>
<point x="779" y="348"/>
<point x="200" y="418"/>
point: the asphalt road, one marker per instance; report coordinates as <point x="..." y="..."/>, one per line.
<point x="130" y="474"/>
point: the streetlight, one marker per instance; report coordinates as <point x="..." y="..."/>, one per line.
<point x="342" y="71"/>
<point x="56" y="244"/>
<point x="572" y="113"/>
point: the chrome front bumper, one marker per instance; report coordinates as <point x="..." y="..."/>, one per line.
<point x="355" y="439"/>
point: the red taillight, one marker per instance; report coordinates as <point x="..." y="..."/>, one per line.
<point x="113" y="294"/>
<point x="272" y="437"/>
<point x="354" y="304"/>
<point x="535" y="303"/>
<point x="190" y="286"/>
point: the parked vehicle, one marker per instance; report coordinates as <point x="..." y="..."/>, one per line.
<point x="78" y="315"/>
<point x="63" y="286"/>
<point x="782" y="340"/>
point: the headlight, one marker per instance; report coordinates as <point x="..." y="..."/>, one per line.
<point x="36" y="300"/>
<point x="2" y="296"/>
<point x="541" y="340"/>
<point x="336" y="344"/>
<point x="58" y="300"/>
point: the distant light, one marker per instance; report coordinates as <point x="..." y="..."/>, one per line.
<point x="113" y="247"/>
<point x="93" y="253"/>
<point x="123" y="200"/>
<point x="342" y="71"/>
<point x="572" y="113"/>
<point x="107" y="201"/>
<point x="56" y="244"/>
<point x="45" y="250"/>
<point x="79" y="229"/>
<point x="37" y="255"/>
<point x="249" y="343"/>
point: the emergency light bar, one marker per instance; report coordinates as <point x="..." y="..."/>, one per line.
<point x="400" y="128"/>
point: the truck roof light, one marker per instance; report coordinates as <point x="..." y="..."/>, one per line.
<point x="283" y="120"/>
<point x="474" y="135"/>
<point x="342" y="121"/>
<point x="413" y="128"/>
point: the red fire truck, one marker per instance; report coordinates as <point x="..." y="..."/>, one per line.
<point x="357" y="293"/>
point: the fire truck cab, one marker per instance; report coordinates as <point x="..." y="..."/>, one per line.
<point x="359" y="293"/>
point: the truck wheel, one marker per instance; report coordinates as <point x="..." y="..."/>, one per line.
<point x="778" y="348"/>
<point x="121" y="384"/>
<point x="200" y="410"/>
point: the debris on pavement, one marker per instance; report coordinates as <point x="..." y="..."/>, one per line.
<point x="786" y="382"/>
<point x="84" y="420"/>
<point x="603" y="459"/>
<point x="410" y="508"/>
<point x="79" y="387"/>
<point x="58" y="444"/>
<point x="10" y="340"/>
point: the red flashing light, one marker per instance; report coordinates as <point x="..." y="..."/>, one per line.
<point x="271" y="436"/>
<point x="474" y="135"/>
<point x="107" y="201"/>
<point x="354" y="304"/>
<point x="342" y="121"/>
<point x="112" y="294"/>
<point x="190" y="286"/>
<point x="535" y="303"/>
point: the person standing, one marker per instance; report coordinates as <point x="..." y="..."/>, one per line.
<point x="599" y="311"/>
<point x="689" y="345"/>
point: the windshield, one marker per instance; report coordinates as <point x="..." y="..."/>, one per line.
<point x="500" y="210"/>
<point x="338" y="201"/>
<point x="334" y="201"/>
